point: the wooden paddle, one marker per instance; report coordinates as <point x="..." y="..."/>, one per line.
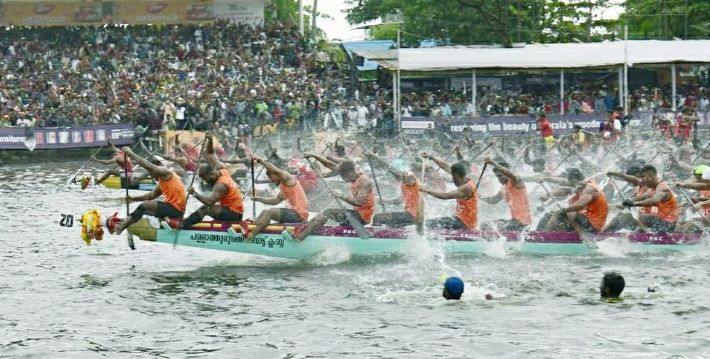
<point x="623" y="196"/>
<point x="377" y="186"/>
<point x="584" y="236"/>
<point x="253" y="190"/>
<point x="685" y="194"/>
<point x="485" y="165"/>
<point x="72" y="178"/>
<point x="359" y="227"/>
<point x="129" y="236"/>
<point x="192" y="181"/>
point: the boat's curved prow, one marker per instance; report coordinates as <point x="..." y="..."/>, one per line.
<point x="143" y="230"/>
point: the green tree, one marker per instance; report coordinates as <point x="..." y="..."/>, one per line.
<point x="666" y="19"/>
<point x="486" y="21"/>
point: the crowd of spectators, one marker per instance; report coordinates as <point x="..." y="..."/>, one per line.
<point x="222" y="75"/>
<point x="535" y="100"/>
<point x="235" y="77"/>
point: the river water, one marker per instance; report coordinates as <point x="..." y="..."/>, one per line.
<point x="62" y="299"/>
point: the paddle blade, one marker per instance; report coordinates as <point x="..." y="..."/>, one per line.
<point x="131" y="244"/>
<point x="358" y="226"/>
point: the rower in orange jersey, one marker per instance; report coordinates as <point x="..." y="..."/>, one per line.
<point x="702" y="203"/>
<point x="411" y="198"/>
<point x="466" y="216"/>
<point x="290" y="190"/>
<point x="125" y="166"/>
<point x="588" y="207"/>
<point x="662" y="200"/>
<point x="515" y="195"/>
<point x="169" y="186"/>
<point x="632" y="176"/>
<point x="362" y="199"/>
<point x="224" y="190"/>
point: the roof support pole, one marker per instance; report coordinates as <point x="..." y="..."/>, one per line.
<point x="627" y="103"/>
<point x="398" y="84"/>
<point x="474" y="92"/>
<point x="621" y="88"/>
<point x="562" y="91"/>
<point x="673" y="89"/>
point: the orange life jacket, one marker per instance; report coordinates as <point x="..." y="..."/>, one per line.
<point x="706" y="207"/>
<point x="596" y="210"/>
<point x="173" y="191"/>
<point x="467" y="209"/>
<point x="233" y="199"/>
<point x="517" y="199"/>
<point x="368" y="208"/>
<point x="296" y="198"/>
<point x="667" y="211"/>
<point x="411" y="195"/>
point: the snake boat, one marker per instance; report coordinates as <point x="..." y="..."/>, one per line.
<point x="115" y="182"/>
<point x="386" y="241"/>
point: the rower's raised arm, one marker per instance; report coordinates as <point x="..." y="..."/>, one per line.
<point x="326" y="162"/>
<point x="159" y="171"/>
<point x="211" y="157"/>
<point x="630" y="179"/>
<point x="443" y="165"/>
<point x="285" y="176"/>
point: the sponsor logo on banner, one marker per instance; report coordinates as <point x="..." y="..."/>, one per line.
<point x="39" y="138"/>
<point x="64" y="137"/>
<point x="100" y="135"/>
<point x="51" y="137"/>
<point x="200" y="13"/>
<point x="43" y="9"/>
<point x="418" y="124"/>
<point x="155" y="8"/>
<point x="121" y="134"/>
<point x="76" y="136"/>
<point x="89" y="136"/>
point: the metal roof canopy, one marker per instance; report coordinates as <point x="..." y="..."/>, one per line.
<point x="550" y="56"/>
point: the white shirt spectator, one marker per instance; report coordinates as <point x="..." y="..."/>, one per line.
<point x="362" y="113"/>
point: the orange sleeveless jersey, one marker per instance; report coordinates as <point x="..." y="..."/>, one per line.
<point x="367" y="208"/>
<point x="643" y="210"/>
<point x="233" y="198"/>
<point x="667" y="210"/>
<point x="467" y="209"/>
<point x="296" y="198"/>
<point x="411" y="195"/>
<point x="517" y="199"/>
<point x="596" y="210"/>
<point x="173" y="191"/>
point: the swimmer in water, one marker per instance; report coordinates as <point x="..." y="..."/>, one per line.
<point x="453" y="288"/>
<point x="612" y="286"/>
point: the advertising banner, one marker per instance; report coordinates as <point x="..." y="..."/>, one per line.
<point x="163" y="12"/>
<point x="52" y="13"/>
<point x="243" y="11"/>
<point x="515" y="124"/>
<point x="19" y="138"/>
